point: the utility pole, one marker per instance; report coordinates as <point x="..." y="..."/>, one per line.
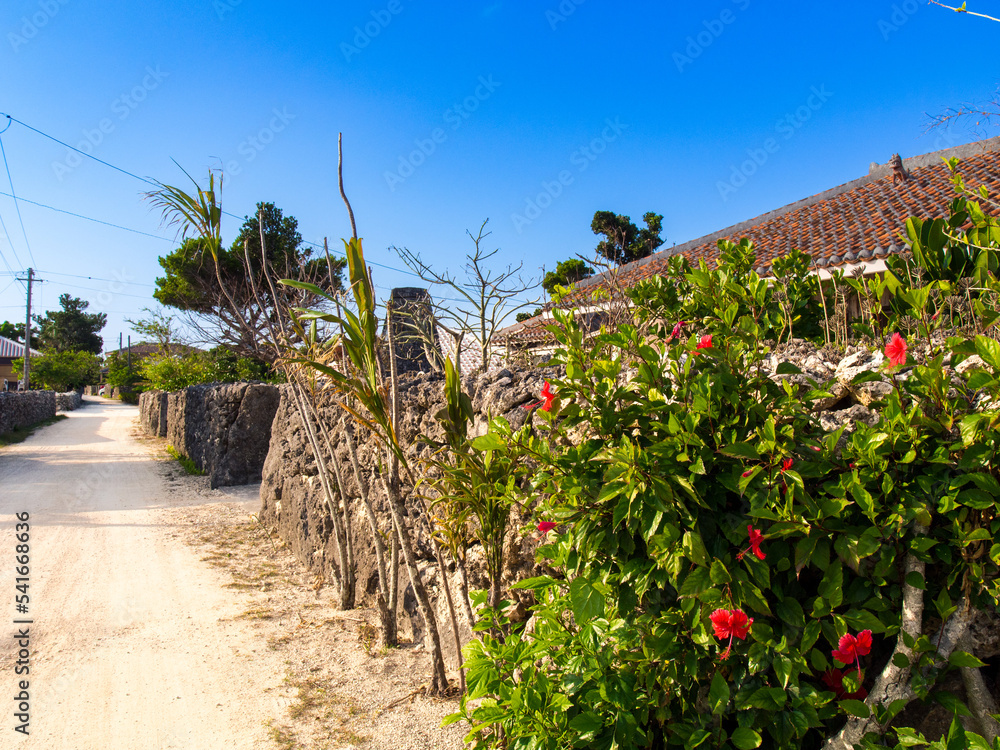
<point x="27" y="330"/>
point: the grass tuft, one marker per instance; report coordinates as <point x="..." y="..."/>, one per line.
<point x="185" y="462"/>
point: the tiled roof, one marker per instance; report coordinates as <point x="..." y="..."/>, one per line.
<point x="13" y="350"/>
<point x="854" y="223"/>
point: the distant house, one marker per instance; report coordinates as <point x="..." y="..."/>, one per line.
<point x="9" y="351"/>
<point x="141" y="351"/>
<point x="856" y="225"/>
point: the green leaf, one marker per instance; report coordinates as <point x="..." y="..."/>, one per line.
<point x="718" y="694"/>
<point x="586" y="725"/>
<point x="694" y="548"/>
<point x="915" y="580"/>
<point x="698" y="580"/>
<point x="963" y="659"/>
<point x="831" y="587"/>
<point x="746" y="739"/>
<point x="787" y="368"/>
<point x="587" y="601"/>
<point x="989" y="350"/>
<point x="856" y="708"/>
<point x="740" y="450"/>
<point x="488" y="442"/>
<point x="720" y="574"/>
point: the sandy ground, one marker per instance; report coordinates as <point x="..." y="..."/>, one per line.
<point x="163" y="616"/>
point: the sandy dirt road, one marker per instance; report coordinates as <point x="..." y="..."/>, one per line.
<point x="135" y="643"/>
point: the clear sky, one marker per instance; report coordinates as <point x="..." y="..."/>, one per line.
<point x="533" y="115"/>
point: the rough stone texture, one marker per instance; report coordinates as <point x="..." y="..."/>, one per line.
<point x="25" y="409"/>
<point x="292" y="498"/>
<point x="153" y="412"/>
<point x="237" y="432"/>
<point x="225" y="429"/>
<point x="68" y="401"/>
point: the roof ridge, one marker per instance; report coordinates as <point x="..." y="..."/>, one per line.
<point x="875" y="173"/>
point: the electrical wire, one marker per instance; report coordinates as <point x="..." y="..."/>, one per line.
<point x="113" y="294"/>
<point x="340" y="253"/>
<point x="88" y="218"/>
<point x="97" y="278"/>
<point x="157" y="185"/>
<point x="16" y="206"/>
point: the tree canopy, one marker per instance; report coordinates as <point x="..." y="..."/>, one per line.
<point x="623" y="241"/>
<point x="567" y="272"/>
<point x="12" y="331"/>
<point x="71" y="329"/>
<point x="236" y="313"/>
<point x="62" y="370"/>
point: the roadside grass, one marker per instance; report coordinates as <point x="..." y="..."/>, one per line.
<point x="185" y="462"/>
<point x="20" y="434"/>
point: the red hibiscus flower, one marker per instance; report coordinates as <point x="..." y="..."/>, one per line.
<point x="756" y="537"/>
<point x="547" y="398"/>
<point x="852" y="648"/>
<point x="546" y="526"/>
<point x="706" y="342"/>
<point x="730" y="623"/>
<point x="895" y="350"/>
<point x="677" y="329"/>
<point x="786" y="465"/>
<point x="834" y="679"/>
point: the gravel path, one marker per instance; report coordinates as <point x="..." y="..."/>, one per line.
<point x="135" y="643"/>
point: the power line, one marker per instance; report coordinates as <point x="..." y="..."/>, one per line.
<point x="88" y="218"/>
<point x="16" y="206"/>
<point x="113" y="294"/>
<point x="157" y="185"/>
<point x="97" y="278"/>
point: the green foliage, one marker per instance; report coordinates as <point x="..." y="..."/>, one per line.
<point x="678" y="449"/>
<point x="567" y="273"/>
<point x="186" y="463"/>
<point x="192" y="281"/>
<point x="120" y="374"/>
<point x="523" y="316"/>
<point x="220" y="365"/>
<point x="623" y="241"/>
<point x="71" y="329"/>
<point x="13" y="331"/>
<point x="473" y="480"/>
<point x="61" y="371"/>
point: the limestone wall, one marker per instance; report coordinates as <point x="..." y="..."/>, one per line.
<point x="225" y="429"/>
<point x="25" y="409"/>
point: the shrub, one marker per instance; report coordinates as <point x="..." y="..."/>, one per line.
<point x="668" y="460"/>
<point x="61" y="371"/>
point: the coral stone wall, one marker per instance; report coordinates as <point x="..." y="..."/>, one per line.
<point x="25" y="409"/>
<point x="225" y="429"/>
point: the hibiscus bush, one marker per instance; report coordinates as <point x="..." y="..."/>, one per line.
<point x="722" y="571"/>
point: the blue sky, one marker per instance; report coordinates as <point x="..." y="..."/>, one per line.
<point x="533" y="115"/>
